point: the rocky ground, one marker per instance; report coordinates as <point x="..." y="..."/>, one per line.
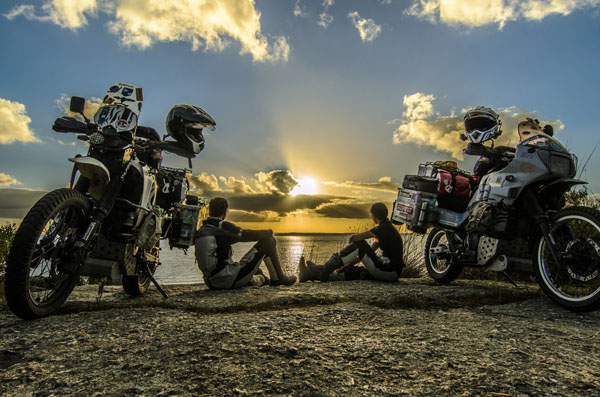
<point x="358" y="338"/>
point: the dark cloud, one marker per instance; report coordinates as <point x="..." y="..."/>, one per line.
<point x="281" y="205"/>
<point x="278" y="181"/>
<point x="15" y="203"/>
<point x="270" y="198"/>
<point x="349" y="211"/>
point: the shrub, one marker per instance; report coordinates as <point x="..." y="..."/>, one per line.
<point x="582" y="196"/>
<point x="414" y="262"/>
<point x="7" y="233"/>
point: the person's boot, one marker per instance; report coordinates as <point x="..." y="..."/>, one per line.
<point x="323" y="271"/>
<point x="278" y="276"/>
<point x="304" y="273"/>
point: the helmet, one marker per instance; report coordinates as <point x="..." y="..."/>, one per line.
<point x="125" y="94"/>
<point x="185" y="123"/>
<point x="121" y="118"/>
<point x="482" y="124"/>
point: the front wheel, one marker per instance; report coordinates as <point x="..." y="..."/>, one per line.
<point x="36" y="281"/>
<point x="574" y="280"/>
<point x="438" y="258"/>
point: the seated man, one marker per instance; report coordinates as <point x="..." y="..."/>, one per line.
<point x="386" y="267"/>
<point x="213" y="252"/>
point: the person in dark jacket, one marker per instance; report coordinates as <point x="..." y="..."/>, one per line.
<point x="384" y="267"/>
<point x="214" y="253"/>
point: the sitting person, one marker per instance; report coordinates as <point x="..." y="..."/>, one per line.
<point x="386" y="267"/>
<point x="214" y="252"/>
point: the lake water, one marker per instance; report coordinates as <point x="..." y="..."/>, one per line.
<point x="180" y="268"/>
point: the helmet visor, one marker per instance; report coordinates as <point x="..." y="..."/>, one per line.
<point x="479" y="123"/>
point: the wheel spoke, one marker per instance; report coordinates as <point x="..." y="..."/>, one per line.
<point x="45" y="276"/>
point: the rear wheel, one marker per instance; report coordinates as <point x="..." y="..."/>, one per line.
<point x="37" y="282"/>
<point x="439" y="262"/>
<point x="574" y="280"/>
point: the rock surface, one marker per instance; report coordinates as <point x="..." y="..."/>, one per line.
<point x="358" y="338"/>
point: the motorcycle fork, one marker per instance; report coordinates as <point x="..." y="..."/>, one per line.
<point x="77" y="255"/>
<point x="543" y="222"/>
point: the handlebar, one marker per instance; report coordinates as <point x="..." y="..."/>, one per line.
<point x="477" y="149"/>
<point x="72" y="125"/>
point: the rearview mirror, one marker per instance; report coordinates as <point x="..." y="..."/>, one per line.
<point x="77" y="104"/>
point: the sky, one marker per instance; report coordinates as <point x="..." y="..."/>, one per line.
<point x="321" y="107"/>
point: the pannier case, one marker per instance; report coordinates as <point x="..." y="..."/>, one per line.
<point x="412" y="209"/>
<point x="420" y="183"/>
<point x="184" y="225"/>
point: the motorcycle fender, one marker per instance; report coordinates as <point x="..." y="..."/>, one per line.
<point x="95" y="171"/>
<point x="559" y="187"/>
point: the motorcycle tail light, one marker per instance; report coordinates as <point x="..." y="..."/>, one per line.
<point x="96" y="138"/>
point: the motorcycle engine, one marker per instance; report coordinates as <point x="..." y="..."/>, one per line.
<point x="492" y="219"/>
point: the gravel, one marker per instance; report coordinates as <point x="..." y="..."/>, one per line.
<point x="356" y="338"/>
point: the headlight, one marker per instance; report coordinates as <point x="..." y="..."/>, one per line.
<point x="562" y="165"/>
<point x="96" y="138"/>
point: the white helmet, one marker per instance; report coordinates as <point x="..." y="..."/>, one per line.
<point x="482" y="124"/>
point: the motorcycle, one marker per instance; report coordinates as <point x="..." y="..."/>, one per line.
<point x="513" y="217"/>
<point x="121" y="202"/>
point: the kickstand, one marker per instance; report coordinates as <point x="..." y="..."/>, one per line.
<point x="509" y="279"/>
<point x="100" y="289"/>
<point x="158" y="287"/>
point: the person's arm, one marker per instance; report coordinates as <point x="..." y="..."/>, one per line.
<point x="362" y="236"/>
<point x="375" y="245"/>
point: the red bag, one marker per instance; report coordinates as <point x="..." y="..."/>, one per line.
<point x="455" y="188"/>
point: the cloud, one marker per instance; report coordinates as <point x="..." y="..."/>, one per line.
<point x="7" y="180"/>
<point x="383" y="184"/>
<point x="69" y="14"/>
<point x="328" y="3"/>
<point x="263" y="197"/>
<point x="279" y="182"/>
<point x="344" y="210"/>
<point x="367" y="28"/>
<point x="203" y="23"/>
<point x="14" y="123"/>
<point x="237" y="186"/>
<point x="15" y="203"/>
<point x="324" y="20"/>
<point x="246" y="216"/>
<point x="205" y="184"/>
<point x="299" y="11"/>
<point x="422" y="125"/>
<point x="91" y="106"/>
<point x="475" y="13"/>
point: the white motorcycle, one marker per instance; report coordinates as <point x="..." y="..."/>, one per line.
<point x="120" y="204"/>
<point x="512" y="218"/>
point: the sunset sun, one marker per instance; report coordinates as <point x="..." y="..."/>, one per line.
<point x="305" y="186"/>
